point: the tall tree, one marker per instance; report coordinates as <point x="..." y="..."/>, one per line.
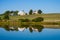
<point x="15" y="12"/>
<point x="6" y="17"/>
<point x="30" y="12"/>
<point x="39" y="11"/>
<point x="12" y="12"/>
<point x="7" y="12"/>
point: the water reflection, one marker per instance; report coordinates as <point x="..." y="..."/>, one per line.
<point x="37" y="28"/>
<point x="31" y="28"/>
<point x="9" y="28"/>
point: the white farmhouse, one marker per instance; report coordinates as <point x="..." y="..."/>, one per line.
<point x="11" y="14"/>
<point x="21" y="13"/>
<point x="35" y="12"/>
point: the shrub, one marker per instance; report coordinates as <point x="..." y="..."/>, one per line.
<point x="24" y="20"/>
<point x="6" y="17"/>
<point x="0" y="18"/>
<point x="39" y="19"/>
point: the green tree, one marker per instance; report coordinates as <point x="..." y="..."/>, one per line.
<point x="39" y="11"/>
<point x="7" y="12"/>
<point x="6" y="17"/>
<point x="12" y="12"/>
<point x="15" y="12"/>
<point x="30" y="12"/>
<point x="26" y="14"/>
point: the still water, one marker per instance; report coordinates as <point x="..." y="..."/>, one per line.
<point x="30" y="32"/>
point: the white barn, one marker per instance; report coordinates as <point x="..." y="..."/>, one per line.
<point x="21" y="13"/>
<point x="35" y="12"/>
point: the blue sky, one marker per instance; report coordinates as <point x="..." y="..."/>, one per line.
<point x="47" y="6"/>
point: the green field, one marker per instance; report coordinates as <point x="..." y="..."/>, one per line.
<point x="47" y="17"/>
<point x="50" y="17"/>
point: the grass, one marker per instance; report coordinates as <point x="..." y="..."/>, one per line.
<point x="28" y="23"/>
<point x="51" y="16"/>
<point x="47" y="17"/>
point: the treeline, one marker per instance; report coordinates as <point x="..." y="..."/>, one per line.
<point x="16" y="12"/>
<point x="7" y="14"/>
<point x="15" y="28"/>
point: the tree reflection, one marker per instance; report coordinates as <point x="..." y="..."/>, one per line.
<point x="30" y="29"/>
<point x="6" y="27"/>
<point x="9" y="28"/>
<point x="22" y="27"/>
<point x="36" y="28"/>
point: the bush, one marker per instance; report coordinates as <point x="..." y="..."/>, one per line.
<point x="0" y="18"/>
<point x="24" y="20"/>
<point x="6" y="17"/>
<point x="39" y="19"/>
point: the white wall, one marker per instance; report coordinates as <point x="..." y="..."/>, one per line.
<point x="21" y="13"/>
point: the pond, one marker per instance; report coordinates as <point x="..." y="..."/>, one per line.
<point x="30" y="32"/>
